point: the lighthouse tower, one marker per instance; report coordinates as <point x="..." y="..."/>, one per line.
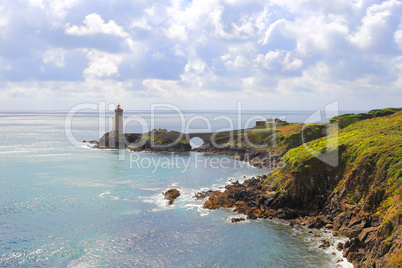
<point x="118" y="121"/>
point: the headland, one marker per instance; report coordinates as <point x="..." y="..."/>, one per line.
<point x="349" y="181"/>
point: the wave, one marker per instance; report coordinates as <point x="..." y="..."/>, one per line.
<point x="107" y="194"/>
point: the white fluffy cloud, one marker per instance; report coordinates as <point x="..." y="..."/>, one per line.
<point x="279" y="59"/>
<point x="210" y="51"/>
<point x="378" y="25"/>
<point x="94" y="24"/>
<point x="102" y="64"/>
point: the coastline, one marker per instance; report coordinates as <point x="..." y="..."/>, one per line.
<point x="348" y="197"/>
<point x="298" y="223"/>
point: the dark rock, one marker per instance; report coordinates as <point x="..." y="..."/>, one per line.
<point x="314" y="222"/>
<point x="254" y="214"/>
<point x="354" y="221"/>
<point x="204" y="194"/>
<point x="351" y="246"/>
<point x="354" y="257"/>
<point x="341" y="220"/>
<point x="365" y="233"/>
<point x="339" y="246"/>
<point x="325" y="244"/>
<point x="355" y="230"/>
<point x="235" y="220"/>
<point x="171" y="195"/>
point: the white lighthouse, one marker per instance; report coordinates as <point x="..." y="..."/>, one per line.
<point x="118" y="121"/>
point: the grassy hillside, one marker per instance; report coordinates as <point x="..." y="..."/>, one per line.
<point x="370" y="166"/>
<point x="158" y="140"/>
<point x="345" y="120"/>
<point x="277" y="139"/>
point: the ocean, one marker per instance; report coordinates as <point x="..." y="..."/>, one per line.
<point x="63" y="204"/>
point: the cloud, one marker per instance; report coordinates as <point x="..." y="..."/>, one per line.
<point x="94" y="24"/>
<point x="171" y="90"/>
<point x="378" y="26"/>
<point x="238" y="57"/>
<point x="36" y="3"/>
<point x="141" y="23"/>
<point x="177" y="32"/>
<point x="398" y="38"/>
<point x="204" y="51"/>
<point x="61" y="7"/>
<point x="279" y="59"/>
<point x="102" y="64"/>
<point x="54" y="56"/>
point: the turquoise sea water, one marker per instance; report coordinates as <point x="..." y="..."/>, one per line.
<point x="71" y="206"/>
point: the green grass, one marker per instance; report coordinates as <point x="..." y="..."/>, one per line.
<point x="276" y="139"/>
<point x="370" y="154"/>
<point x="345" y="120"/>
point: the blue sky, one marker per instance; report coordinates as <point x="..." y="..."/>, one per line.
<point x="201" y="54"/>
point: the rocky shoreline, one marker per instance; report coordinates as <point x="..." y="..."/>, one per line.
<point x="350" y="182"/>
<point x="367" y="244"/>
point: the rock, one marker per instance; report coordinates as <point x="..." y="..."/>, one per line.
<point x="204" y="194"/>
<point x="339" y="247"/>
<point x="218" y="199"/>
<point x="329" y="226"/>
<point x="341" y="220"/>
<point x="347" y="207"/>
<point x="353" y="231"/>
<point x="293" y="222"/>
<point x="365" y="232"/>
<point x="354" y="257"/>
<point x="354" y="221"/>
<point x="241" y="207"/>
<point x="351" y="246"/>
<point x="171" y="195"/>
<point x="235" y="220"/>
<point x="208" y="205"/>
<point x="325" y="244"/>
<point x="314" y="222"/>
<point x="254" y="214"/>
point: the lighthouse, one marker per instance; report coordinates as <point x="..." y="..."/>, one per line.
<point x="118" y="121"/>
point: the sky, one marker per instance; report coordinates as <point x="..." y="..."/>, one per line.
<point x="201" y="54"/>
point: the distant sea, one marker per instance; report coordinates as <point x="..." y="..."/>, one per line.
<point x="67" y="205"/>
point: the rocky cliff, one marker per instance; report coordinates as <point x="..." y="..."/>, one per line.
<point x="358" y="196"/>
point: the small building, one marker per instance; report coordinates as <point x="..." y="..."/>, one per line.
<point x="270" y="121"/>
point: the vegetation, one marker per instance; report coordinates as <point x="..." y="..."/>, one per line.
<point x="345" y="120"/>
<point x="158" y="139"/>
<point x="396" y="260"/>
<point x="278" y="139"/>
<point x="368" y="175"/>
